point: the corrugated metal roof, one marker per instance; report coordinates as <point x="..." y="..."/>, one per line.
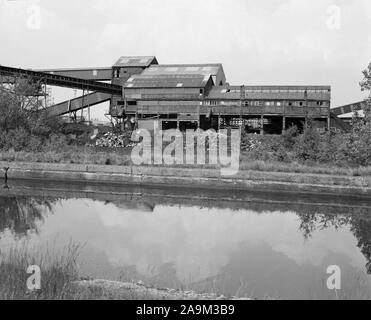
<point x="167" y="81"/>
<point x="136" y="61"/>
<point x="191" y="69"/>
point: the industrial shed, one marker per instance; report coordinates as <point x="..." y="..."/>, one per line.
<point x="198" y="95"/>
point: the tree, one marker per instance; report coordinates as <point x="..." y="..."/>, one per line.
<point x="23" y="120"/>
<point x="366" y="86"/>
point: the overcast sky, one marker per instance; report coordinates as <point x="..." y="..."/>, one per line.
<point x="259" y="42"/>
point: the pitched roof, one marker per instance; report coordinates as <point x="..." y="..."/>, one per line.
<point x="191" y="69"/>
<point x="168" y="81"/>
<point x="136" y="61"/>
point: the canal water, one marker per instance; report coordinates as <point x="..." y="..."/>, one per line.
<point x="235" y="244"/>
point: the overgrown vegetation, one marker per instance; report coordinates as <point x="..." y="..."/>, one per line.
<point x="23" y="123"/>
<point x="312" y="148"/>
<point x="59" y="274"/>
<point x="58" y="270"/>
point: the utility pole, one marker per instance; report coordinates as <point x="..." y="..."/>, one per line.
<point x="242" y="102"/>
<point x="306" y="108"/>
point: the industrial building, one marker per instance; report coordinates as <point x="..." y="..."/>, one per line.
<point x="143" y="93"/>
<point x="199" y="96"/>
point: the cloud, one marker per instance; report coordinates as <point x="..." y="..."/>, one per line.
<point x="198" y="243"/>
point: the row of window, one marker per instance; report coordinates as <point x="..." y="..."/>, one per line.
<point x="260" y="103"/>
<point x="261" y="90"/>
<point x="246" y="103"/>
<point x="289" y="90"/>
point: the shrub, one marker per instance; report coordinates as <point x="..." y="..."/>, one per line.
<point x="18" y="139"/>
<point x="56" y="142"/>
<point x="289" y="136"/>
<point x="307" y="145"/>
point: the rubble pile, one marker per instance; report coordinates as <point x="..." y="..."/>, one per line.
<point x="115" y="140"/>
<point x="250" y="145"/>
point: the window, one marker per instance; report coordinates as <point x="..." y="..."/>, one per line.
<point x="211" y="103"/>
<point x="123" y="71"/>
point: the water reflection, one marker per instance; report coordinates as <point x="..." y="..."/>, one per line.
<point x="21" y="215"/>
<point x="359" y="226"/>
<point x="248" y="251"/>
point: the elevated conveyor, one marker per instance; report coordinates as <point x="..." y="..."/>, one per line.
<point x="96" y="74"/>
<point x="339" y="123"/>
<point x="79" y="103"/>
<point x="349" y="108"/>
<point x="62" y="81"/>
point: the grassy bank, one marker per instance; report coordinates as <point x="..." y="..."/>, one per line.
<point x="58" y="273"/>
<point x="121" y="157"/>
<point x="58" y="270"/>
<point x="60" y="281"/>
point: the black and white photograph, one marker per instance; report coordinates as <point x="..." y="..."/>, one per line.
<point x="185" y="157"/>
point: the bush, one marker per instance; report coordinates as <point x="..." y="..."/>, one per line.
<point x="56" y="142"/>
<point x="35" y="144"/>
<point x="17" y="139"/>
<point x="24" y="125"/>
<point x="307" y="145"/>
<point x="289" y="137"/>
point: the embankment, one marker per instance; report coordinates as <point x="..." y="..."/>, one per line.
<point x="192" y="177"/>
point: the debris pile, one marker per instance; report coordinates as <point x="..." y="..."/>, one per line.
<point x="115" y="140"/>
<point x="250" y="145"/>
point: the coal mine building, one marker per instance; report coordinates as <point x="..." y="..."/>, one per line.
<point x="191" y="96"/>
